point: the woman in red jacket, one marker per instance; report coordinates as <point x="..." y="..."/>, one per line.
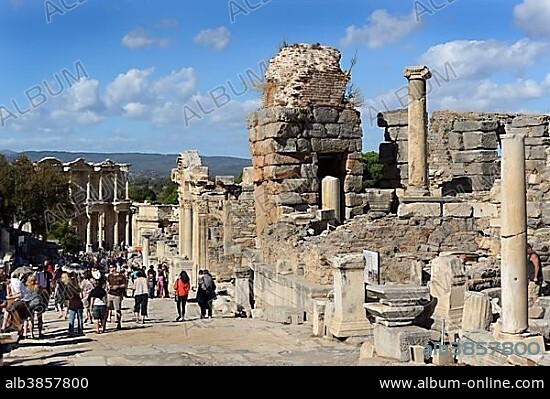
<point x="181" y="289"/>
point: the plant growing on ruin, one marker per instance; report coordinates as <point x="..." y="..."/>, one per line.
<point x="372" y="170"/>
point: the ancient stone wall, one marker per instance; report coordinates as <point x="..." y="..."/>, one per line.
<point x="305" y="131"/>
<point x="302" y="75"/>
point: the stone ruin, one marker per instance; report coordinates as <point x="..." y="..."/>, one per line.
<point x="292" y="235"/>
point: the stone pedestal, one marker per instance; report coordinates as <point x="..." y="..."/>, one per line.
<point x="349" y="318"/>
<point x="448" y="287"/>
<point x="330" y="193"/>
<point x="395" y="342"/>
<point x="399" y="306"/>
<point x="477" y="315"/>
<point x="417" y="124"/>
<point x="513" y="232"/>
<point x="242" y="288"/>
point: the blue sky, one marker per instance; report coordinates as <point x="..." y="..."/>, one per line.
<point x="140" y="63"/>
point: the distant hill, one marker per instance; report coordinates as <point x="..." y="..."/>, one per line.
<point x="149" y="165"/>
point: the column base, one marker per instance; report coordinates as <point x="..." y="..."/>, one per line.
<point x="89" y="248"/>
<point x="344" y="329"/>
<point x="417" y="191"/>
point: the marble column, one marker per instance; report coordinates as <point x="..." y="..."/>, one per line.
<point x="115" y="183"/>
<point x="127" y="231"/>
<point x="187" y="230"/>
<point x="349" y="317"/>
<point x="513" y="238"/>
<point x="126" y="188"/>
<point x="101" y="229"/>
<point x="418" y="126"/>
<point x="100" y="187"/>
<point x="145" y="248"/>
<point x="330" y="194"/>
<point x="89" y="246"/>
<point x="116" y="240"/>
<point x="203" y="241"/>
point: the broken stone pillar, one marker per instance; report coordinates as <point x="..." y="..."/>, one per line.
<point x="330" y="193"/>
<point x="242" y="288"/>
<point x="448" y="287"/>
<point x="349" y="318"/>
<point x="418" y="124"/>
<point x="513" y="231"/>
<point x="145" y="248"/>
<point x="417" y="266"/>
<point x="477" y="315"/>
<point x="399" y="306"/>
<point x="319" y="307"/>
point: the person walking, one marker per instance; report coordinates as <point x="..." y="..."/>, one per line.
<point x="86" y="286"/>
<point x="116" y="288"/>
<point x="98" y="302"/>
<point x="141" y="296"/>
<point x="76" y="309"/>
<point x="534" y="269"/>
<point x="37" y="304"/>
<point x="151" y="281"/>
<point x="160" y="282"/>
<point x="182" y="287"/>
<point x="206" y="293"/>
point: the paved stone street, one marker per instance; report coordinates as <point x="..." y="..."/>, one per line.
<point x="163" y="342"/>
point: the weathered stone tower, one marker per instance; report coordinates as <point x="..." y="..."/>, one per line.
<point x="305" y="131"/>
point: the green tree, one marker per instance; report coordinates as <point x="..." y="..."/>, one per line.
<point x="239" y="178"/>
<point x="66" y="236"/>
<point x="38" y="189"/>
<point x="139" y="193"/>
<point x="6" y="192"/>
<point x="372" y="169"/>
<point x="168" y="194"/>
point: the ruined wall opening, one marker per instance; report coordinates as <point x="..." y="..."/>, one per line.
<point x="333" y="165"/>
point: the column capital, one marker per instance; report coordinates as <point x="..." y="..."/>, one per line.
<point x="187" y="204"/>
<point x="354" y="261"/>
<point x="417" y="72"/>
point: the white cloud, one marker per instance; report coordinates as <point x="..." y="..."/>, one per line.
<point x="482" y="58"/>
<point x="135" y="110"/>
<point x="381" y="29"/>
<point x="140" y="38"/>
<point x="84" y="94"/>
<point x="533" y="16"/>
<point x="217" y="38"/>
<point x="180" y="84"/>
<point x="132" y="86"/>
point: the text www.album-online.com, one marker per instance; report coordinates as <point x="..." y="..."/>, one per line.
<point x="482" y="383"/>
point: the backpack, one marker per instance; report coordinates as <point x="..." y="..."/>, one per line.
<point x="37" y="302"/>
